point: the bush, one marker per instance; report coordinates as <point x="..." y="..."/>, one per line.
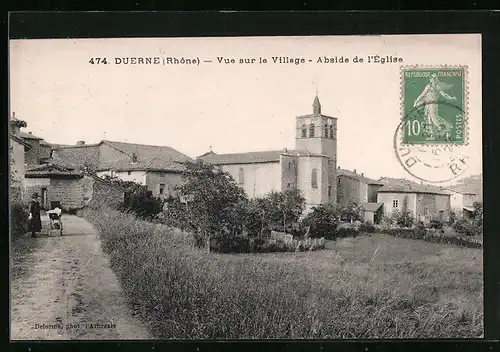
<point x="466" y="227"/>
<point x="138" y="199"/>
<point x="404" y="219"/>
<point x="367" y="227"/>
<point x="18" y="220"/>
<point x="322" y="221"/>
<point x="347" y="232"/>
<point x="230" y="244"/>
<point x="421" y="233"/>
<point x="436" y="224"/>
<point x="270" y="247"/>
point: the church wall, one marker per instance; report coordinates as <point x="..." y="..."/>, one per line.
<point x="313" y="196"/>
<point x="333" y="180"/>
<point x="259" y="178"/>
<point x="289" y="165"/>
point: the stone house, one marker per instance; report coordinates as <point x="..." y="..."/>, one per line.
<point x="424" y="202"/>
<point x="39" y="151"/>
<point x="310" y="167"/>
<point x="18" y="149"/>
<point x="462" y="199"/>
<point x="355" y="187"/>
<point x="67" y="188"/>
<point x="157" y="167"/>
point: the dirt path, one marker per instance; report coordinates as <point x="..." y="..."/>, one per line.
<point x="67" y="284"/>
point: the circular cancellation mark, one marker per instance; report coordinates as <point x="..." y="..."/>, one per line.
<point x="433" y="163"/>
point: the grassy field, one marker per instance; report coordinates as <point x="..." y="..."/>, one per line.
<point x="367" y="287"/>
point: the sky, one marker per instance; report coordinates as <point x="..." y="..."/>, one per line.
<point x="232" y="107"/>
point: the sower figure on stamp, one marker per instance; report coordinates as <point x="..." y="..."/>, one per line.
<point x="429" y="100"/>
<point x="34" y="220"/>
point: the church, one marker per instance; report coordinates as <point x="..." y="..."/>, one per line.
<point x="310" y="167"/>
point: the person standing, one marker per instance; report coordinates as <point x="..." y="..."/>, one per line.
<point x="35" y="222"/>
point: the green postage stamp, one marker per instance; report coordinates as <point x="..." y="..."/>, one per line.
<point x="434" y="105"/>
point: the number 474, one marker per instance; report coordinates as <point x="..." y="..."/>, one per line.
<point x="412" y="127"/>
<point x="98" y="60"/>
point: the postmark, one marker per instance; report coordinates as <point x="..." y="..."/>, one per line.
<point x="434" y="104"/>
<point x="430" y="163"/>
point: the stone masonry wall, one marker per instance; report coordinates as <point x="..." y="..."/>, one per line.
<point x="67" y="191"/>
<point x="104" y="193"/>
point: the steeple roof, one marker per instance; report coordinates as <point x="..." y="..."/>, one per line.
<point x="316" y="106"/>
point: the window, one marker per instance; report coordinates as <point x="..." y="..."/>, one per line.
<point x="331" y="131"/>
<point x="395" y="203"/>
<point x="289" y="166"/>
<point x="329" y="191"/>
<point x="129" y="173"/>
<point x="326" y="130"/>
<point x="162" y="188"/>
<point x="304" y="131"/>
<point x="289" y="185"/>
<point x="134" y="157"/>
<point x="426" y="211"/>
<point x="314" y="178"/>
<point x="311" y="130"/>
<point x="241" y="176"/>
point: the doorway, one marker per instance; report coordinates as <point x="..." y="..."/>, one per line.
<point x="44" y="199"/>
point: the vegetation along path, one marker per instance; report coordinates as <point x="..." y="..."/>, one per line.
<point x="64" y="289"/>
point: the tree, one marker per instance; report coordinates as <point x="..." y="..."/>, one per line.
<point x="138" y="198"/>
<point x="323" y="221"/>
<point x="285" y="208"/>
<point x="213" y="196"/>
<point x="350" y="211"/>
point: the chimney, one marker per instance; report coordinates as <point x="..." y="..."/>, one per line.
<point x="354" y="170"/>
<point x="285" y="150"/>
<point x="13" y="114"/>
<point x="80" y="143"/>
<point x="338" y="167"/>
<point x="362" y="174"/>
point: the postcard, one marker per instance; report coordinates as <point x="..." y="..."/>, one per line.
<point x="316" y="187"/>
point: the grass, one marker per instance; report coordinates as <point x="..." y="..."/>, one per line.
<point x="366" y="287"/>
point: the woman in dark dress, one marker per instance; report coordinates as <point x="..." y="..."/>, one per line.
<point x="35" y="222"/>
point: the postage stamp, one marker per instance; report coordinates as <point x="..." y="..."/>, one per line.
<point x="430" y="163"/>
<point x="434" y="105"/>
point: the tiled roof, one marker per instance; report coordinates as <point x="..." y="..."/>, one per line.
<point x="51" y="170"/>
<point x="26" y="135"/>
<point x="395" y="185"/>
<point x="65" y="146"/>
<point x="148" y="164"/>
<point x="359" y="177"/>
<point x="149" y="151"/>
<point x="269" y="156"/>
<point x="19" y="140"/>
<point x="149" y="157"/>
<point x="470" y="185"/>
<point x="371" y="206"/>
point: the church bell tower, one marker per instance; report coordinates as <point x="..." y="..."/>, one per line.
<point x="317" y="133"/>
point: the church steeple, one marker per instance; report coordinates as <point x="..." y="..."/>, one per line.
<point x="316" y="106"/>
